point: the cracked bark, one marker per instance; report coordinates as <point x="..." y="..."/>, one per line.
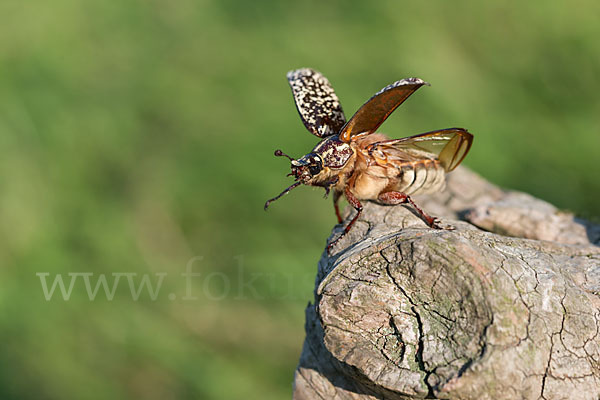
<point x="506" y="306"/>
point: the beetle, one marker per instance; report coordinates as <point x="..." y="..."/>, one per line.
<point x="353" y="160"/>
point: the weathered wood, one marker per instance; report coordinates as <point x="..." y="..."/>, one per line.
<point x="506" y="306"/>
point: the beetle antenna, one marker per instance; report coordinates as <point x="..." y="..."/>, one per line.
<point x="286" y="191"/>
<point x="279" y="153"/>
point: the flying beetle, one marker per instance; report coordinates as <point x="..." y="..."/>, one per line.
<point x="353" y="160"/>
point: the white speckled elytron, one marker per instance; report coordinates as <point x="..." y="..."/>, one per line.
<point x="363" y="165"/>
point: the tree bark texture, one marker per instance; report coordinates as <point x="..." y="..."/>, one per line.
<point x="505" y="306"/>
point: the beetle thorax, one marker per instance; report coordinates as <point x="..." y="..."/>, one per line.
<point x="322" y="165"/>
<point x="334" y="153"/>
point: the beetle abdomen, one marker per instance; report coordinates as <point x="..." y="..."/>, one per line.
<point x="423" y="176"/>
<point x="417" y="177"/>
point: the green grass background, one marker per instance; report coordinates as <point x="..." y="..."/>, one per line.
<point x="135" y="135"/>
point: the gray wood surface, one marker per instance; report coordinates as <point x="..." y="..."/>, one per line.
<point x="506" y="306"/>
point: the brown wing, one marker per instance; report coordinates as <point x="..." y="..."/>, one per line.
<point x="316" y="101"/>
<point x="376" y="110"/>
<point x="450" y="146"/>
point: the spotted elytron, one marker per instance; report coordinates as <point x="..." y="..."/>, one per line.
<point x="352" y="159"/>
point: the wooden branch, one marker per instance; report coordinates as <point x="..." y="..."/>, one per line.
<point x="506" y="306"/>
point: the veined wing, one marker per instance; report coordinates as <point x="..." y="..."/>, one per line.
<point x="449" y="146"/>
<point x="376" y="110"/>
<point x="316" y="101"/>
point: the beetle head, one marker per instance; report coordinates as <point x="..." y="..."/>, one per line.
<point x="319" y="167"/>
<point x="307" y="168"/>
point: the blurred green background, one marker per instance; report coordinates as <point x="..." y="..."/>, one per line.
<point x="137" y="135"/>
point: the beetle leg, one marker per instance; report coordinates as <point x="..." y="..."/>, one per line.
<point x="327" y="186"/>
<point x="393" y="198"/>
<point x="357" y="206"/>
<point x="336" y="197"/>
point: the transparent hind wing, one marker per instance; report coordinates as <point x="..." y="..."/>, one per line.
<point x="449" y="146"/>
